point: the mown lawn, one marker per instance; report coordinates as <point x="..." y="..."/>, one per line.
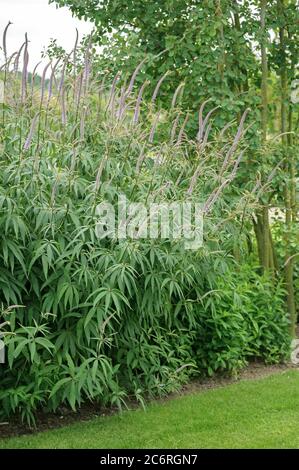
<point x="261" y="413"/>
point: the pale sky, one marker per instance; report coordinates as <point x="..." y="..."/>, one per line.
<point x="42" y="22"/>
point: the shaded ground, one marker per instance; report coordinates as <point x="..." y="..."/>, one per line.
<point x="66" y="416"/>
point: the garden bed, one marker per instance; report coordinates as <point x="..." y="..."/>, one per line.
<point x="65" y="416"/>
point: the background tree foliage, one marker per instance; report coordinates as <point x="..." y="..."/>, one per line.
<point x="236" y="53"/>
<point x="203" y="44"/>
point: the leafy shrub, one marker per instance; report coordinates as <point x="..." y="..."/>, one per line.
<point x="108" y="319"/>
<point x="243" y="318"/>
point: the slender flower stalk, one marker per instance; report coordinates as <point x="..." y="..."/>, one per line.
<point x="133" y="78"/>
<point x="263" y="187"/>
<point x="138" y="103"/>
<point x="214" y="196"/>
<point x="82" y="123"/>
<point x="79" y="84"/>
<point x="25" y="71"/>
<point x="75" y="56"/>
<point x="6" y="65"/>
<point x="174" y="128"/>
<point x="158" y="86"/>
<point x="33" y="79"/>
<point x="30" y="135"/>
<point x="62" y="78"/>
<point x="4" y="40"/>
<point x="122" y="103"/>
<point x="99" y="173"/>
<point x="200" y="134"/>
<point x="112" y="92"/>
<point x="227" y="126"/>
<point x="195" y="176"/>
<point x="63" y="106"/>
<point x="87" y="66"/>
<point x="236" y="165"/>
<point x="181" y="132"/>
<point x="200" y="120"/>
<point x="206" y="136"/>
<point x="235" y="143"/>
<point x="42" y="87"/>
<point x="100" y="95"/>
<point x="176" y="93"/>
<point x="154" y="127"/>
<point x="17" y="59"/>
<point x="52" y="77"/>
<point x="61" y="92"/>
<point x="216" y="193"/>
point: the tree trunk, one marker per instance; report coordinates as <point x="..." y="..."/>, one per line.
<point x="262" y="231"/>
<point x="289" y="173"/>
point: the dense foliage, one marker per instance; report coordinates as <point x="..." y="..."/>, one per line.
<point x="105" y="319"/>
<point x="239" y="53"/>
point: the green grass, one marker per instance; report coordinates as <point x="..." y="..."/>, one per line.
<point x="260" y="413"/>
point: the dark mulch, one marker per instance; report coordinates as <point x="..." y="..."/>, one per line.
<point x="65" y="416"/>
<point x="46" y="420"/>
